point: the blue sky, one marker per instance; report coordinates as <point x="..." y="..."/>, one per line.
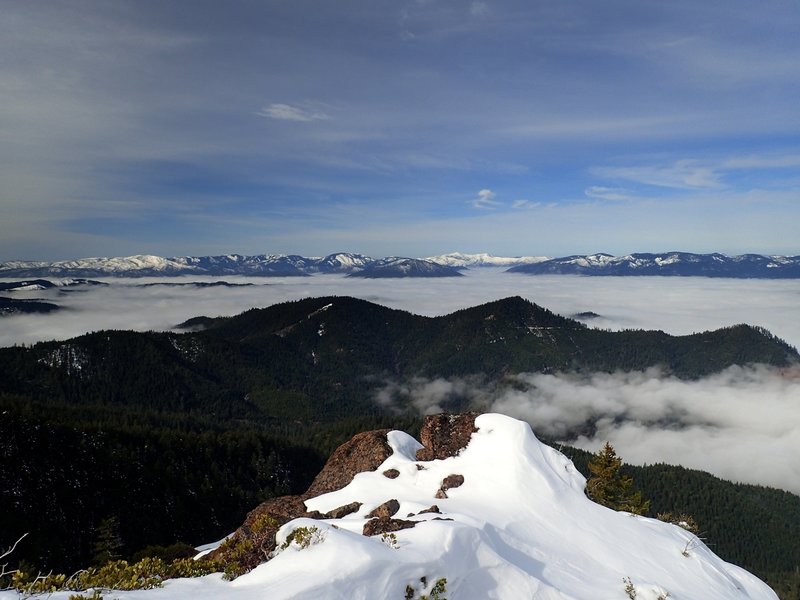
<point x="409" y="127"/>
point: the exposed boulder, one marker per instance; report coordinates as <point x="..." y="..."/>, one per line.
<point x="445" y="435"/>
<point x="391" y="473"/>
<point x="364" y="452"/>
<point x="343" y="511"/>
<point x="386" y="525"/>
<point x="252" y="543"/>
<point x="448" y="483"/>
<point x="385" y="510"/>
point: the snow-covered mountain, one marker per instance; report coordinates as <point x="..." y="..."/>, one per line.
<point x="395" y="266"/>
<point x="153" y="266"/>
<point x="505" y="518"/>
<point x="457" y="259"/>
<point x="283" y="265"/>
<point x="669" y="264"/>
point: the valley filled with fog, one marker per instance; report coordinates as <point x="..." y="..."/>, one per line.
<point x="741" y="424"/>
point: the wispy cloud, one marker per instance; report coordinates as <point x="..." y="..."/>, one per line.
<point x="287" y="112"/>
<point x="683" y="174"/>
<point x="485" y="199"/>
<point x="607" y="193"/>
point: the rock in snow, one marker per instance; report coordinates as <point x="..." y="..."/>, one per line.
<point x="518" y="527"/>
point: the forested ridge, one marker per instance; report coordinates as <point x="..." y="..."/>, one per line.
<point x="177" y="436"/>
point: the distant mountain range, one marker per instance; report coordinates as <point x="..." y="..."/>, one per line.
<point x="669" y="264"/>
<point x="446" y="265"/>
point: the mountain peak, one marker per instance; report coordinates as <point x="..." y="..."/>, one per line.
<point x="498" y="516"/>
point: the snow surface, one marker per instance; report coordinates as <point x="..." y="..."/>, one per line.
<point x="521" y="528"/>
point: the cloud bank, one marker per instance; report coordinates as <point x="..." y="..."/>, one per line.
<point x="742" y="424"/>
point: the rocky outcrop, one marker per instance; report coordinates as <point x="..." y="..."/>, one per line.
<point x="364" y="452"/>
<point x="442" y="436"/>
<point x="445" y="435"/>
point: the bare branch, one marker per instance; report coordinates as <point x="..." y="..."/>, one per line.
<point x="14" y="547"/>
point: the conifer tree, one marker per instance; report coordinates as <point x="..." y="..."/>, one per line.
<point x="108" y="543"/>
<point x="609" y="487"/>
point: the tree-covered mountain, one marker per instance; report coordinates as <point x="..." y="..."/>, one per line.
<point x="323" y="358"/>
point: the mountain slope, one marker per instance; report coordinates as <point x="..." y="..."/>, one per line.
<point x="327" y="357"/>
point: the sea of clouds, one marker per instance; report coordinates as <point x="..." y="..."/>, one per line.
<point x="742" y="424"/>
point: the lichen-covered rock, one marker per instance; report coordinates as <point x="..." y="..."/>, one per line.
<point x="385" y="510"/>
<point x="343" y="511"/>
<point x="253" y="542"/>
<point x="391" y="473"/>
<point x="445" y="435"/>
<point x="364" y="452"/>
<point x="386" y="525"/>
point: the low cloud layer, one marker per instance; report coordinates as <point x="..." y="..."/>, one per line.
<point x="676" y="305"/>
<point x="742" y="424"/>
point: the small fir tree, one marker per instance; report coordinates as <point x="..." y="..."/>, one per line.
<point x="108" y="543"/>
<point x="609" y="487"/>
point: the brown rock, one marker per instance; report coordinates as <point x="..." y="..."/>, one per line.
<point x="364" y="452"/>
<point x="445" y="435"/>
<point x="452" y="481"/>
<point x="391" y="473"/>
<point x="251" y="544"/>
<point x="432" y="509"/>
<point x="385" y="510"/>
<point x="343" y="511"/>
<point x="386" y="525"/>
<point x="440" y="494"/>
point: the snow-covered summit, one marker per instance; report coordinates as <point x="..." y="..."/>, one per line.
<point x="482" y="259"/>
<point x="519" y="526"/>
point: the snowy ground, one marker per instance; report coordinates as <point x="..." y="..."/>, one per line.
<point x="520" y="526"/>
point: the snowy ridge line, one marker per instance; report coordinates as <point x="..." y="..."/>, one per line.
<point x="667" y="263"/>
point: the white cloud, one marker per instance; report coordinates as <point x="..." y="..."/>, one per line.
<point x="525" y="204"/>
<point x="683" y="174"/>
<point x="607" y="193"/>
<point x="742" y="424"/>
<point x="485" y="199"/>
<point x="287" y="112"/>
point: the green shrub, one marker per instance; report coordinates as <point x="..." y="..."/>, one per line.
<point x="145" y="574"/>
<point x="303" y="537"/>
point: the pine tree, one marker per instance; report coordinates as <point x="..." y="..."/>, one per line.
<point x="108" y="542"/>
<point x="609" y="487"/>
